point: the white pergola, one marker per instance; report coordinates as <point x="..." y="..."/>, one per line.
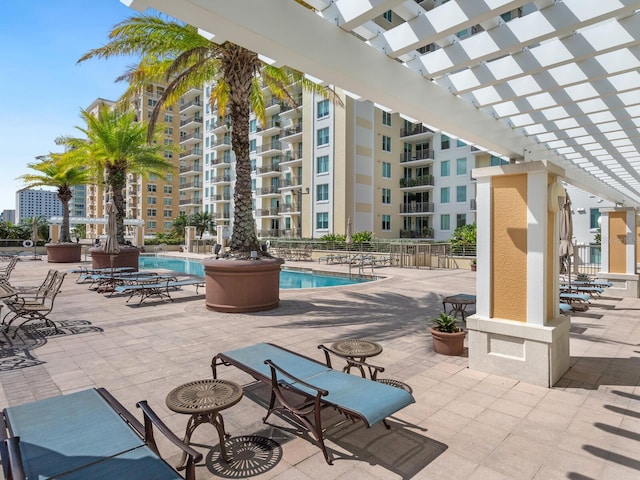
<point x="559" y="83"/>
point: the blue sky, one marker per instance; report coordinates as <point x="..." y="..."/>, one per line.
<point x="42" y="89"/>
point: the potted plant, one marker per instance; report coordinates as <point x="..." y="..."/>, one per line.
<point x="448" y="338"/>
<point x="114" y="145"/>
<point x="54" y="171"/>
<point x="473" y="265"/>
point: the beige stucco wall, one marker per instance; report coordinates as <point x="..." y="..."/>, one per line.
<point x="617" y="242"/>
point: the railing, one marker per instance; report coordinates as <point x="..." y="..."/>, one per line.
<point x="417" y="207"/>
<point x="267" y="190"/>
<point x="194" y="103"/>
<point x="290" y="182"/>
<point x="194" y="135"/>
<point x="472" y="204"/>
<point x="193" y="151"/>
<point x="269" y="125"/>
<point x="420" y="233"/>
<point x="421" y="155"/>
<point x="290" y="155"/>
<point x="221" y="179"/>
<point x="415" y="130"/>
<point x="266" y="212"/>
<point x="292" y="130"/>
<point x="268" y="169"/>
<point x="275" y="145"/>
<point x="585" y="259"/>
<point x="425" y="180"/>
<point x="191" y="120"/>
<point x="288" y="208"/>
<point x="224" y="141"/>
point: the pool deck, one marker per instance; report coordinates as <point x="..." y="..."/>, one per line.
<point x="465" y="424"/>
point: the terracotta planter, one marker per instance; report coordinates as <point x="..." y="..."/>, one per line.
<point x="473" y="267"/>
<point x="238" y="286"/>
<point x="448" y="343"/>
<point x="128" y="257"/>
<point x="64" y="252"/>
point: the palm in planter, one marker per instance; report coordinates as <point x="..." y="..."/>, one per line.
<point x="55" y="171"/>
<point x="448" y="338"/>
<point x="176" y="53"/>
<point x="115" y="144"/>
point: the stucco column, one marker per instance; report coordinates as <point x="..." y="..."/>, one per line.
<point x="619" y="253"/>
<point x="517" y="330"/>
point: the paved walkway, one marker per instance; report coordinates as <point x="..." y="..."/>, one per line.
<point x="465" y="424"/>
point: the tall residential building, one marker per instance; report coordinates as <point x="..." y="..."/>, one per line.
<point x="154" y="199"/>
<point x="36" y="203"/>
<point x="8" y="216"/>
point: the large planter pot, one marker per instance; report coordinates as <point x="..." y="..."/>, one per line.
<point x="448" y="343"/>
<point x="128" y="257"/>
<point x="238" y="286"/>
<point x="64" y="252"/>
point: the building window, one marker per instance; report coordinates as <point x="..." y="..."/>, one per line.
<point x="152" y="200"/>
<point x="151" y="212"/>
<point x="386" y="143"/>
<point x="322" y="221"/>
<point x="461" y="193"/>
<point x="444" y="195"/>
<point x="386" y="170"/>
<point x="168" y="189"/>
<point x="168" y="201"/>
<point x="386" y="118"/>
<point x="386" y="222"/>
<point x="167" y="226"/>
<point x="322" y="164"/>
<point x="444" y="168"/>
<point x="167" y="213"/>
<point x="388" y="16"/>
<point x="252" y="125"/>
<point x="168" y="118"/>
<point x="322" y="192"/>
<point x="461" y="219"/>
<point x="445" y="222"/>
<point x="151" y="187"/>
<point x="445" y="143"/>
<point x="594" y="216"/>
<point x="323" y="108"/>
<point x="252" y="145"/>
<point x="386" y="196"/>
<point x="323" y="136"/>
<point x="460" y="143"/>
<point x="461" y="166"/>
<point x="151" y="224"/>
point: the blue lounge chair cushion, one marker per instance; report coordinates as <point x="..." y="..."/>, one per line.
<point x="373" y="401"/>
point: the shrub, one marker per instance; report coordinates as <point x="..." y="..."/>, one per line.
<point x="445" y="323"/>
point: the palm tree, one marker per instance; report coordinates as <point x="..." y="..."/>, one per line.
<point x="202" y="221"/>
<point x="116" y="144"/>
<point x="54" y="171"/>
<point x="175" y="53"/>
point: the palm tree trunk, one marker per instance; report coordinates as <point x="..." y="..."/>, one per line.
<point x="240" y="66"/>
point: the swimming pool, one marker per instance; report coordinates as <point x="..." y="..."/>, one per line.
<point x="288" y="278"/>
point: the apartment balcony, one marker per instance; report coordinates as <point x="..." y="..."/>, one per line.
<point x="225" y="197"/>
<point x="222" y="215"/>
<point x="416" y="208"/>
<point x="223" y="143"/>
<point x="268" y="171"/>
<point x="270" y="233"/>
<point x="416" y="133"/>
<point x="417" y="159"/>
<point x="271" y="128"/>
<point x="190" y="138"/>
<point x="190" y="186"/>
<point x="267" y="212"/>
<point x="191" y="154"/>
<point x="219" y="160"/>
<point x="190" y="201"/>
<point x="291" y="158"/>
<point x="220" y="180"/>
<point x="267" y="191"/>
<point x="191" y="94"/>
<point x="269" y="149"/>
<point x="426" y="232"/>
<point x="292" y="111"/>
<point x="219" y="128"/>
<point x="191" y="122"/>
<point x="190" y="107"/>
<point x="272" y="106"/>
<point x="290" y="183"/>
<point x="192" y="167"/>
<point x="472" y="205"/>
<point x="417" y="183"/>
<point x="291" y="209"/>
<point x="292" y="134"/>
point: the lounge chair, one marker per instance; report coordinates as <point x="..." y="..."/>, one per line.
<point x="31" y="308"/>
<point x="7" y="268"/>
<point x="158" y="287"/>
<point x="319" y="385"/>
<point x="578" y="301"/>
<point x="86" y="435"/>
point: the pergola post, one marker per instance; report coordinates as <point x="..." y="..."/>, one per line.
<point x="517" y="330"/>
<point x="619" y="254"/>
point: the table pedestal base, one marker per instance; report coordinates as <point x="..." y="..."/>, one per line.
<point x="215" y="419"/>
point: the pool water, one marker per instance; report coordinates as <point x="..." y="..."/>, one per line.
<point x="288" y="278"/>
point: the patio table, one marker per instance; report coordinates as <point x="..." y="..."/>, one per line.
<point x="459" y="303"/>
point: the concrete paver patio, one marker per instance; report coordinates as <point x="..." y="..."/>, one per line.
<point x="465" y="424"/>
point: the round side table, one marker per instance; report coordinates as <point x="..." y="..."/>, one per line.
<point x="358" y="350"/>
<point x="203" y="400"/>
